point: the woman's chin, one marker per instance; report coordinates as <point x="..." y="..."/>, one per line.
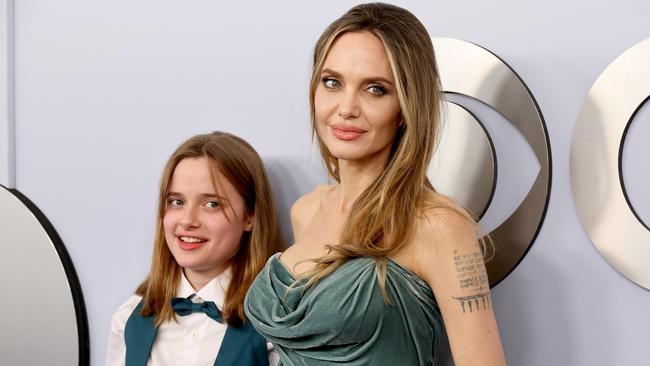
<point x="347" y="153"/>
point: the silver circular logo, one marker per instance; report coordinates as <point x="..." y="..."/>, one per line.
<point x="475" y="72"/>
<point x="606" y="214"/>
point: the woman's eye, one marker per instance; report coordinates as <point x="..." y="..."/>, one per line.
<point x="331" y="83"/>
<point x="376" y="90"/>
<point x="174" y="202"/>
<point x="212" y="204"/>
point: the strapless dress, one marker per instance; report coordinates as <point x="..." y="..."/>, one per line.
<point x="343" y="318"/>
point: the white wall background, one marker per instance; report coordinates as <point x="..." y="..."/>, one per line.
<point x="104" y="91"/>
<point x="7" y="158"/>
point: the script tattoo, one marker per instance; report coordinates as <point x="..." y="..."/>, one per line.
<point x="472" y="277"/>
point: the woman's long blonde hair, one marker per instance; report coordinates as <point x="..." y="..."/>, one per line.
<point x="382" y="218"/>
<point x="237" y="162"/>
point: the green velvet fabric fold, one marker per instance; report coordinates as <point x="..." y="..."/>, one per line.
<point x="343" y="318"/>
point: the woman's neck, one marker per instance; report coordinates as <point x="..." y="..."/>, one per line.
<point x="357" y="175"/>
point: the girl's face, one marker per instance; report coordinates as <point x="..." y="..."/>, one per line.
<point x="356" y="104"/>
<point x="203" y="231"/>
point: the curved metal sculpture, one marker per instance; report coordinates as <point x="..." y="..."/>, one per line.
<point x="471" y="70"/>
<point x="607" y="215"/>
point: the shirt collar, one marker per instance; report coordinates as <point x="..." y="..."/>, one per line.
<point x="214" y="291"/>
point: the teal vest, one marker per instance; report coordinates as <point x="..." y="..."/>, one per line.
<point x="241" y="346"/>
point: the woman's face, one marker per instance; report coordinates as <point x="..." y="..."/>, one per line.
<point x="203" y="231"/>
<point x="356" y="104"/>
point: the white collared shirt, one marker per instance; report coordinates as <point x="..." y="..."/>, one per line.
<point x="194" y="340"/>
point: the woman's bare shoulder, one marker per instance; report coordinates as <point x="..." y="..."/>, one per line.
<point x="439" y="212"/>
<point x="306" y="206"/>
<point x="309" y="202"/>
<point x="442" y="229"/>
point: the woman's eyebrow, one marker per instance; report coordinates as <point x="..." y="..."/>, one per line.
<point x="379" y="79"/>
<point x="330" y="72"/>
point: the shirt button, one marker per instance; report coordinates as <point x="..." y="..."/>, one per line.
<point x="195" y="335"/>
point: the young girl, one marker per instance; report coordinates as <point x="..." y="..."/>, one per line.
<point x="216" y="228"/>
<point x="381" y="261"/>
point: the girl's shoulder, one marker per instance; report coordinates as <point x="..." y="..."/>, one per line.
<point x="121" y="316"/>
<point x="116" y="350"/>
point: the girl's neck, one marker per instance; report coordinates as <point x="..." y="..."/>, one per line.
<point x="198" y="279"/>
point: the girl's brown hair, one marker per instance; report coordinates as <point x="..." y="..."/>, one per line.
<point x="382" y="218"/>
<point x="237" y="162"/>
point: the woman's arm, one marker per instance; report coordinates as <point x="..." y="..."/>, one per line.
<point x="449" y="258"/>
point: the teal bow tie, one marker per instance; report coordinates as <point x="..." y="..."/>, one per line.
<point x="184" y="306"/>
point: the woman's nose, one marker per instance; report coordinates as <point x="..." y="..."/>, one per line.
<point x="349" y="105"/>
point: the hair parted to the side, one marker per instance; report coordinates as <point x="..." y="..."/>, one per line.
<point x="237" y="161"/>
<point x="382" y="219"/>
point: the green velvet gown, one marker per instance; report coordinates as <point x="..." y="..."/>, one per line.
<point x="343" y="319"/>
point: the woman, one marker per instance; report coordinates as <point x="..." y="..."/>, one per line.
<point x="216" y="228"/>
<point x="358" y="285"/>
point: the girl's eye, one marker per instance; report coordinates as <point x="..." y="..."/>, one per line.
<point x="174" y="202"/>
<point x="376" y="90"/>
<point x="330" y="83"/>
<point x="212" y="204"/>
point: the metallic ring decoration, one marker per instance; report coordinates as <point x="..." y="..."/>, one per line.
<point x="42" y="303"/>
<point x="471" y="70"/>
<point x="464" y="165"/>
<point x="596" y="151"/>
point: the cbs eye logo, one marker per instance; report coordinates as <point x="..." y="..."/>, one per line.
<point x="465" y="163"/>
<point x="603" y="205"/>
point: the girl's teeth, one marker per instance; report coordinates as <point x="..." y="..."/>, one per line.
<point x="189" y="239"/>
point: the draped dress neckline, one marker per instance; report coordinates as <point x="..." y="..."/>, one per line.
<point x="343" y="317"/>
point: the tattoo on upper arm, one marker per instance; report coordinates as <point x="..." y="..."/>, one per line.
<point x="472" y="278"/>
<point x="474" y="302"/>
